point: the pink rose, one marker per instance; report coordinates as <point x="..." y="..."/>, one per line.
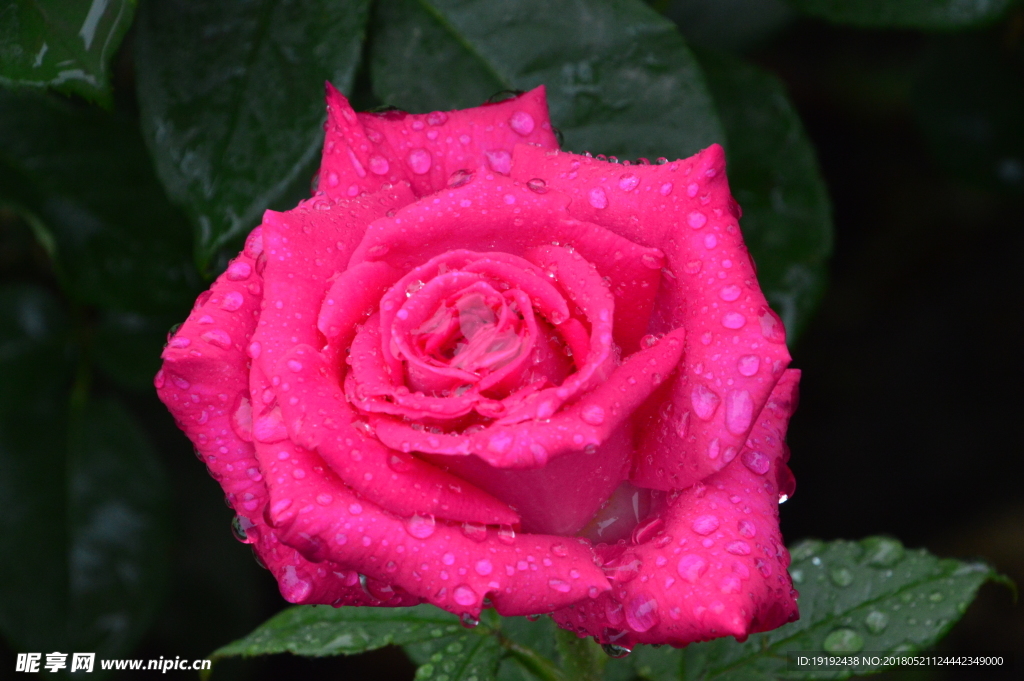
<point x="475" y="367"/>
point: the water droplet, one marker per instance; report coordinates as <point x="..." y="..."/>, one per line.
<point x="294" y="365"/>
<point x="239" y="527"/>
<point x="459" y="178"/>
<point x="882" y="551"/>
<point x="475" y="531"/>
<point x="691" y="567"/>
<point x="936" y="597"/>
<point x="733" y="320"/>
<point x="666" y="189"/>
<point x="739" y="411"/>
<point x="217" y="338"/>
<point x="705" y="524"/>
<point x="729" y="293"/>
<point x="612" y="650"/>
<point x="521" y="122"/>
<point x="506" y="535"/>
<point x="560" y="586"/>
<point x="841" y="576"/>
<point x="876" y="621"/>
<point x="642" y="613"/>
<point x="593" y="414"/>
<point x="239" y="271"/>
<point x="748" y="365"/>
<point x="771" y="326"/>
<point x="597" y="198"/>
<point x="483" y="567"/>
<point x="421" y="526"/>
<point x="705" y="402"/>
<point x="843" y="641"/>
<point x="232" y="301"/>
<point x="537" y="185"/>
<point x="628" y="182"/>
<point x="738" y="548"/>
<point x="437" y="118"/>
<point x="468" y="621"/>
<point x="419" y="161"/>
<point x="499" y="160"/>
<point x="378" y="165"/>
<point x="651" y="261"/>
<point x="697" y="219"/>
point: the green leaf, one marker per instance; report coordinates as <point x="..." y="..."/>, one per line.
<point x="873" y="595"/>
<point x="969" y="102"/>
<point x="926" y="14"/>
<point x="657" y="664"/>
<point x="63" y="44"/>
<point x="619" y="78"/>
<point x="320" y="631"/>
<point x="728" y="24"/>
<point x="582" y="659"/>
<point x="117" y="240"/>
<point x="82" y="536"/>
<point x="773" y="173"/>
<point x="232" y="101"/>
<point x="466" y="658"/>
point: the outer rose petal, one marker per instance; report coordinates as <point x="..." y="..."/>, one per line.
<point x="710" y="565"/>
<point x="735" y="350"/>
<point x="204" y="384"/>
<point x="314" y="512"/>
<point x="364" y="151"/>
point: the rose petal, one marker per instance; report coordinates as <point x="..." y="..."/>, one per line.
<point x="717" y="567"/>
<point x="428" y="148"/>
<point x="318" y="418"/>
<point x="527" y="575"/>
<point x="205" y="385"/>
<point x="684" y="209"/>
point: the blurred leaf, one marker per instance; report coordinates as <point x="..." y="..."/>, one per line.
<point x="581" y="658"/>
<point x="969" y="100"/>
<point x="926" y="14"/>
<point x="619" y="78"/>
<point x="728" y="24"/>
<point x="82" y="536"/>
<point x="773" y="173"/>
<point x="126" y="346"/>
<point x="466" y="658"/>
<point x="309" y="630"/>
<point x="657" y="664"/>
<point x="118" y="241"/>
<point x="232" y="101"/>
<point x="872" y="595"/>
<point x="64" y="44"/>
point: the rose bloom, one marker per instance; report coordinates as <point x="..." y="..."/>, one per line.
<point x="474" y="370"/>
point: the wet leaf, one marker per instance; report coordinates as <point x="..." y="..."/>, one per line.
<point x="126" y="346"/>
<point x="63" y="44"/>
<point x="117" y="241"/>
<point x="320" y="631"/>
<point x="728" y="24"/>
<point x="232" y="102"/>
<point x="927" y="14"/>
<point x="83" y="535"/>
<point x="463" y="658"/>
<point x="873" y="595"/>
<point x="774" y="176"/>
<point x="619" y="78"/>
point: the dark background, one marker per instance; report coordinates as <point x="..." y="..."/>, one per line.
<point x="912" y="387"/>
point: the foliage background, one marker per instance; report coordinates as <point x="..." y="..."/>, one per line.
<point x="912" y="363"/>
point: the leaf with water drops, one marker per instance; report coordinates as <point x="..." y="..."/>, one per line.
<point x="116" y="239"/>
<point x="926" y="14"/>
<point x="83" y="535"/>
<point x="63" y="44"/>
<point x="774" y="176"/>
<point x="619" y="78"/>
<point x="466" y="658"/>
<point x="232" y="102"/>
<point x="873" y="595"/>
<point x="320" y="631"/>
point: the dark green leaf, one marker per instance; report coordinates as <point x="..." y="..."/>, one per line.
<point x="118" y="241"/>
<point x="466" y="658"/>
<point x="657" y="664"/>
<point x="773" y="173"/>
<point x="81" y="536"/>
<point x="64" y="44"/>
<point x="728" y="24"/>
<point x="582" y="659"/>
<point x="320" y="631"/>
<point x="232" y="101"/>
<point x="969" y="100"/>
<point x="619" y="78"/>
<point x="927" y="14"/>
<point x="873" y="595"/>
<point x="126" y="346"/>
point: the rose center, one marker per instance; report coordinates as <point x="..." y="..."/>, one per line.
<point x="475" y="333"/>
